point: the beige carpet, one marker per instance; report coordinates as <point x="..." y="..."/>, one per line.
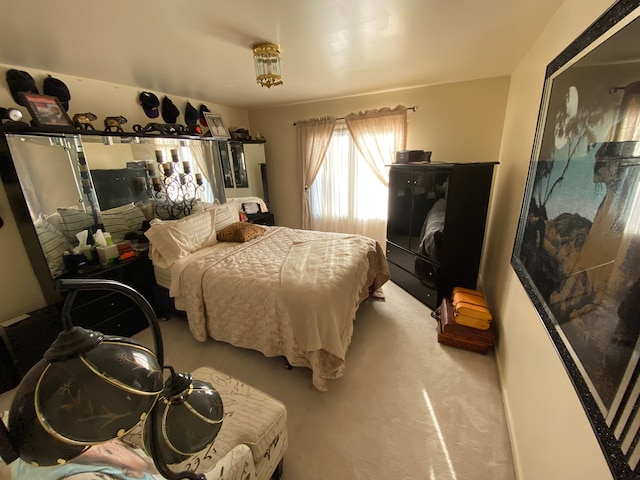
<point x="406" y="407"/>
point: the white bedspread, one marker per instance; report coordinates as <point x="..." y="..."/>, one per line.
<point x="289" y="292"/>
<point x="320" y="280"/>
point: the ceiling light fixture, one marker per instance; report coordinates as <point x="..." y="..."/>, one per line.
<point x="266" y="58"/>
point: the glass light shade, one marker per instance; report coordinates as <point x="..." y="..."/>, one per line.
<point x="70" y="402"/>
<point x="266" y="59"/>
<point x="187" y="419"/>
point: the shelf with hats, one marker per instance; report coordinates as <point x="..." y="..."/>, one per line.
<point x="49" y="113"/>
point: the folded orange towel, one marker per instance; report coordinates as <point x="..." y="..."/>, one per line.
<point x="468" y="291"/>
<point x="463" y="297"/>
<point x="471" y="310"/>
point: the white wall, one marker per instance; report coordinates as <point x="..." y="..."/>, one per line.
<point x="459" y="122"/>
<point x="20" y="290"/>
<point x="551" y="436"/>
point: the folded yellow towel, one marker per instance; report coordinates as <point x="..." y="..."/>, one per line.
<point x="472" y="322"/>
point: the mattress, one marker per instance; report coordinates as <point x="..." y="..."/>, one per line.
<point x="163" y="276"/>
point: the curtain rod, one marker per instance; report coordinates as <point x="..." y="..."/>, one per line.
<point x="342" y="118"/>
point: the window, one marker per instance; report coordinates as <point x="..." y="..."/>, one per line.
<point x="346" y="195"/>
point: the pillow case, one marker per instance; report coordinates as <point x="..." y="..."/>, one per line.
<point x="147" y="209"/>
<point x="174" y="239"/>
<point x="121" y="220"/>
<point x="74" y="221"/>
<point x="226" y="214"/>
<point x="53" y="243"/>
<point x="240" y="232"/>
<point x="54" y="219"/>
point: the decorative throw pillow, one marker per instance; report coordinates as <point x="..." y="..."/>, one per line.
<point x="240" y="232"/>
<point x="174" y="239"/>
<point x="121" y="220"/>
<point x="53" y="243"/>
<point x="74" y="221"/>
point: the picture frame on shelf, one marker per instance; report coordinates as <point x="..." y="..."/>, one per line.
<point x="251" y="208"/>
<point x="217" y="127"/>
<point x="577" y="246"/>
<point x="46" y="111"/>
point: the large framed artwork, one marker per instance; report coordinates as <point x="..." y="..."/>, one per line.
<point x="577" y="248"/>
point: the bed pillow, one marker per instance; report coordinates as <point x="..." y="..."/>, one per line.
<point x="53" y="243"/>
<point x="121" y="220"/>
<point x="147" y="209"/>
<point x="226" y="214"/>
<point x="173" y="239"/>
<point x="73" y="221"/>
<point x="240" y="232"/>
<point x="54" y="219"/>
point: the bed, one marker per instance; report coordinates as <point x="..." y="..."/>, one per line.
<point x="281" y="291"/>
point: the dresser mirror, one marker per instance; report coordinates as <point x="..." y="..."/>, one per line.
<point x="244" y="169"/>
<point x="63" y="184"/>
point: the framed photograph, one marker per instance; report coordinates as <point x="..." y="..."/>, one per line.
<point x="251" y="208"/>
<point x="577" y="247"/>
<point x="46" y="110"/>
<point x="216" y="125"/>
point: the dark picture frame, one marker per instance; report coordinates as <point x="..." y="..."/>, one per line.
<point x="577" y="247"/>
<point x="225" y="163"/>
<point x="46" y="111"/>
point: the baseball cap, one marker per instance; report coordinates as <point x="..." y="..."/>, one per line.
<point x="150" y="104"/>
<point x="203" y="109"/>
<point x="20" y="81"/>
<point x="191" y="114"/>
<point x="169" y="111"/>
<point x="57" y="88"/>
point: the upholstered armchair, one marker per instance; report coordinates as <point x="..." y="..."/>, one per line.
<point x="250" y="445"/>
<point x="95" y="404"/>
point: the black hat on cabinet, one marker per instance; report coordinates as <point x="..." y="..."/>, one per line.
<point x="203" y="109"/>
<point x="191" y="114"/>
<point x="57" y="88"/>
<point x="150" y="104"/>
<point x="18" y="82"/>
<point x="169" y="111"/>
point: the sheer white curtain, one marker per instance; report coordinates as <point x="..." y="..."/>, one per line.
<point x="312" y="140"/>
<point x="197" y="149"/>
<point x="350" y="192"/>
<point x="378" y="134"/>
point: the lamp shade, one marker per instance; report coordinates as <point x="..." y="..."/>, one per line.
<point x="73" y="399"/>
<point x="187" y="418"/>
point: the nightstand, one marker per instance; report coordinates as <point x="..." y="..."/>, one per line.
<point x="110" y="312"/>
<point x="264" y="218"/>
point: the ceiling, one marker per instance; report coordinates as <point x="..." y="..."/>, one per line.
<point x="330" y="48"/>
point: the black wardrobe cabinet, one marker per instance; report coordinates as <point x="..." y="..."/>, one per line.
<point x="435" y="226"/>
